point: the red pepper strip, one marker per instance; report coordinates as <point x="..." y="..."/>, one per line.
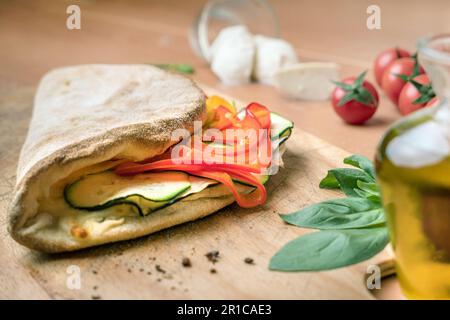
<point x="135" y="168"/>
<point x="256" y="117"/>
<point x="260" y="113"/>
<point x="211" y="105"/>
<point x="252" y="180"/>
<point x="245" y="201"/>
<point x="223" y="118"/>
<point x="248" y="123"/>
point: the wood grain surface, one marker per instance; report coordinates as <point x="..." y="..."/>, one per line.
<point x="130" y="269"/>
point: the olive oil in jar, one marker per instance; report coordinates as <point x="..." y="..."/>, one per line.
<point x="413" y="169"/>
<point x="417" y="204"/>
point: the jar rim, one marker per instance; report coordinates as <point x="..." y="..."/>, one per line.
<point x="425" y="48"/>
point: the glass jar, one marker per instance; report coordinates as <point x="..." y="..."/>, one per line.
<point x="413" y="169"/>
<point x="257" y="15"/>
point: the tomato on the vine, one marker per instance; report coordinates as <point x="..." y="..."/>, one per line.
<point x="355" y="100"/>
<point x="416" y="94"/>
<point x="385" y="58"/>
<point x="397" y="75"/>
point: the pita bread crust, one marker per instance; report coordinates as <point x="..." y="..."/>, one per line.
<point x="180" y="212"/>
<point x="87" y="114"/>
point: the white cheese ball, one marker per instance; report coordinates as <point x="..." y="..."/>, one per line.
<point x="232" y="54"/>
<point x="272" y="54"/>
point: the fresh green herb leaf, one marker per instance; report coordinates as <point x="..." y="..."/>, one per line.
<point x="330" y="249"/>
<point x="348" y="179"/>
<point x="369" y="187"/>
<point x="354" y="228"/>
<point x="178" y="67"/>
<point x="361" y="162"/>
<point x="329" y="182"/>
<point x="371" y="197"/>
<point x="369" y="191"/>
<point x="345" y="213"/>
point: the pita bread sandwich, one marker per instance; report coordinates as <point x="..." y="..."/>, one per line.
<point x="98" y="165"/>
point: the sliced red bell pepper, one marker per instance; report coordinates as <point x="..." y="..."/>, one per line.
<point x="260" y="113"/>
<point x="212" y="103"/>
<point x="222" y="117"/>
<point x="130" y="168"/>
<point x="243" y="200"/>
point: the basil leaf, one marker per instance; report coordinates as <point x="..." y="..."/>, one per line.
<point x="345" y="213"/>
<point x="361" y="162"/>
<point x="368" y="190"/>
<point x="330" y="249"/>
<point x="329" y="182"/>
<point x="348" y="179"/>
<point x="178" y="67"/>
<point x="369" y="187"/>
<point x="365" y="195"/>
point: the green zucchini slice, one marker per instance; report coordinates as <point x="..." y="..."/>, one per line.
<point x="281" y="127"/>
<point x="147" y="192"/>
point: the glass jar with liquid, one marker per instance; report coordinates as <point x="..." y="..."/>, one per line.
<point x="413" y="169"/>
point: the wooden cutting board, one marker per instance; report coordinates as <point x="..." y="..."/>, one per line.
<point x="151" y="268"/>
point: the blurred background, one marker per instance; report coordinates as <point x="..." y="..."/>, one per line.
<point x="34" y="39"/>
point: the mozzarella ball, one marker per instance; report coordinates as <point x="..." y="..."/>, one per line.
<point x="232" y="54"/>
<point x="272" y="54"/>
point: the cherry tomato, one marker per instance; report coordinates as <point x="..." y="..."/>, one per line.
<point x="392" y="83"/>
<point x="355" y="100"/>
<point x="385" y="58"/>
<point x="412" y="98"/>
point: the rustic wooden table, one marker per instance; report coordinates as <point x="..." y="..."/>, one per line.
<point x="34" y="39"/>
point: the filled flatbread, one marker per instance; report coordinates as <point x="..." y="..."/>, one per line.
<point x="87" y="121"/>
